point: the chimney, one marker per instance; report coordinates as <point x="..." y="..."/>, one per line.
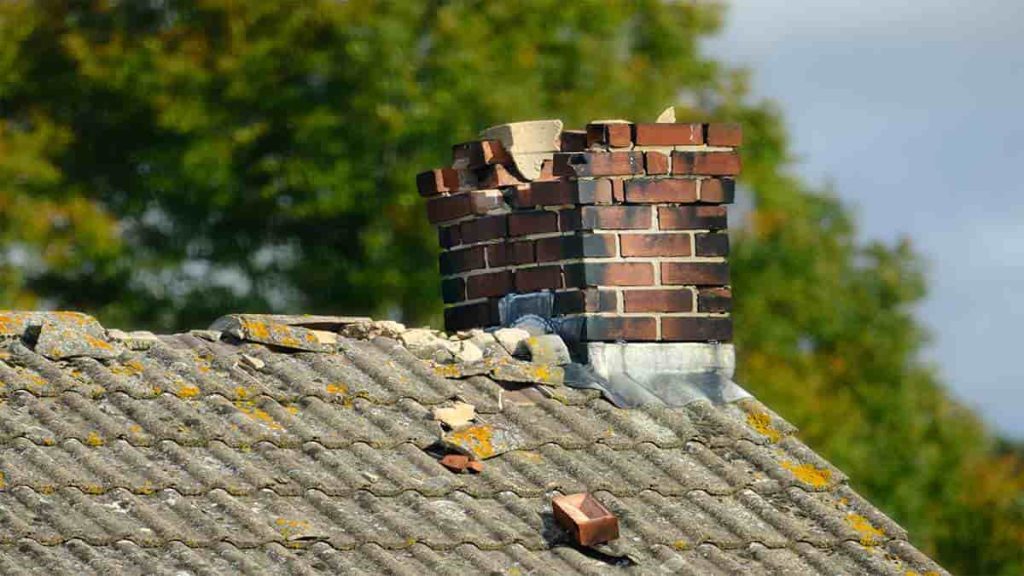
<point x="609" y="236"/>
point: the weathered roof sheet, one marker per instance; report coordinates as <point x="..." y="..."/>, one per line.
<point x="203" y="456"/>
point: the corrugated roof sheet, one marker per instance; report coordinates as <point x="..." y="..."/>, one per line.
<point x="189" y="457"/>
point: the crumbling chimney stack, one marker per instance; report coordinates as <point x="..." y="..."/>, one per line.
<point x="615" y="233"/>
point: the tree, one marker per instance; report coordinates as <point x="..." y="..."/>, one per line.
<point x="162" y="163"/>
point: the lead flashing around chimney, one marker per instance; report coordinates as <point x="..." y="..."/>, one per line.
<point x="670" y="374"/>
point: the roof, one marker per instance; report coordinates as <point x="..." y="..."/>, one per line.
<point x="208" y="452"/>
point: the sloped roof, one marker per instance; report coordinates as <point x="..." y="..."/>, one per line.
<point x="200" y="455"/>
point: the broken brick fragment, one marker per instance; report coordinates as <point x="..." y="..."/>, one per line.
<point x="586" y="519"/>
<point x="455" y="462"/>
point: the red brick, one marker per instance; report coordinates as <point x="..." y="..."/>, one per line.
<point x="614" y="134"/>
<point x="717" y="190"/>
<point x="547" y="193"/>
<point x="696" y="329"/>
<point x="485" y="228"/>
<point x="439" y="181"/>
<point x="445" y="208"/>
<point x="574" y="140"/>
<point x="616" y="217"/>
<point x="476" y="315"/>
<point x="656" y="162"/>
<point x="455" y="261"/>
<point x="692" y="217"/>
<point x="695" y="273"/>
<point x="453" y="290"/>
<point x="538" y="278"/>
<point x="612" y="328"/>
<point x="483" y="201"/>
<point x="587" y="300"/>
<point x="713" y="244"/>
<point x="657" y="300"/>
<point x="478" y="154"/>
<point x="455" y="462"/>
<point x="521" y="252"/>
<point x="492" y="284"/>
<point x="618" y="192"/>
<point x="714" y="300"/>
<point x="539" y="222"/>
<point x="706" y="163"/>
<point x="569" y="220"/>
<point x="509" y="254"/>
<point x="655" y="244"/>
<point x="571" y="247"/>
<point x="584" y="164"/>
<point x="448" y="236"/>
<point x="593" y="191"/>
<point x="609" y="274"/>
<point x="661" y="190"/>
<point x="724" y="134"/>
<point x="668" y="134"/>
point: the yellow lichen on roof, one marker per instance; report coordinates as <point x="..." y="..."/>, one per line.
<point x="869" y="535"/>
<point x="94" y="439"/>
<point x="337" y="388"/>
<point x="762" y="422"/>
<point x="808" y="474"/>
<point x="476" y="439"/>
<point x="187" y="391"/>
<point x="250" y="410"/>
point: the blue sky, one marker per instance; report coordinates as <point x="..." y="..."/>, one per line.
<point x="914" y="111"/>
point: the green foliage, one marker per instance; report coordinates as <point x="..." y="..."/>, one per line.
<point x="162" y="163"/>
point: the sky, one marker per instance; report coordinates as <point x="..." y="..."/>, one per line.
<point x="914" y="112"/>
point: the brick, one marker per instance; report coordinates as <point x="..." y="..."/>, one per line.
<point x="497" y="255"/>
<point x="455" y="261"/>
<point x="587" y="300"/>
<point x="711" y="244"/>
<point x="521" y="252"/>
<point x="453" y="290"/>
<point x="657" y="300"/>
<point x="569" y="247"/>
<point x="478" y="154"/>
<point x="714" y="300"/>
<point x="656" y="162"/>
<point x="496" y="176"/>
<point x="491" y="284"/>
<point x="695" y="273"/>
<point x="718" y="190"/>
<point x="609" y="274"/>
<point x="439" y="181"/>
<point x="584" y="164"/>
<point x="485" y="228"/>
<point x="585" y="518"/>
<point x="618" y="190"/>
<point x="476" y="315"/>
<point x="573" y="140"/>
<point x="612" y="328"/>
<point x="538" y="278"/>
<point x="723" y="134"/>
<point x="692" y="218"/>
<point x="668" y="134"/>
<point x="445" y="208"/>
<point x="483" y="201"/>
<point x="696" y="329"/>
<point x="547" y="193"/>
<point x="593" y="191"/>
<point x="448" y="236"/>
<point x="655" y="244"/>
<point x="616" y="217"/>
<point x="661" y="190"/>
<point x="539" y="222"/>
<point x="569" y="220"/>
<point x="706" y="163"/>
<point x="614" y="134"/>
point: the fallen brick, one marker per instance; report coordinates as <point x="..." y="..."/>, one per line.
<point x="455" y="462"/>
<point x="585" y="518"/>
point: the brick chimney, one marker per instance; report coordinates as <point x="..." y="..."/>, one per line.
<point x="615" y="233"/>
